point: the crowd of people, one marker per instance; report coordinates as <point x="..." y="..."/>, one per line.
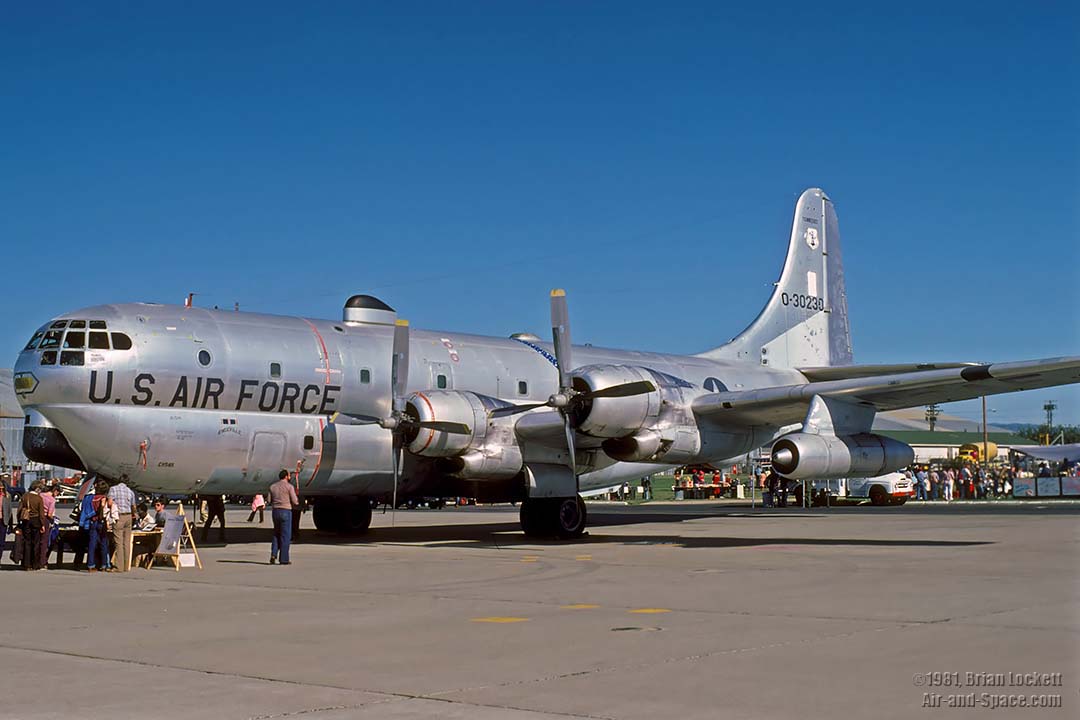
<point x="106" y="514"/>
<point x="972" y="481"/>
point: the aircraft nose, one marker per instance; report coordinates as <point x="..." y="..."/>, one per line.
<point x="44" y="443"/>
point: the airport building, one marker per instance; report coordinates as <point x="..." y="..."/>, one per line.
<point x="947" y="437"/>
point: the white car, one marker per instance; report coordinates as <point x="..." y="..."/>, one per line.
<point x="892" y="489"/>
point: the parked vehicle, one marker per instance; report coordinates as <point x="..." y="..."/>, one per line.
<point x="891" y="489"/>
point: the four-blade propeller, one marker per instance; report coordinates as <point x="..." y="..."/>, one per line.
<point x="399" y="422"/>
<point x="567" y="399"/>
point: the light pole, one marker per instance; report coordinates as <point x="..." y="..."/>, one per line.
<point x="1049" y="407"/>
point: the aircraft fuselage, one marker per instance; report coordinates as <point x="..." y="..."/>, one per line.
<point x="218" y="401"/>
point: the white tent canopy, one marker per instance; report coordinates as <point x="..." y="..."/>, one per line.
<point x="1051" y="453"/>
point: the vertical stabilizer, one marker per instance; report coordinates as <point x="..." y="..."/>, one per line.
<point x="805" y="322"/>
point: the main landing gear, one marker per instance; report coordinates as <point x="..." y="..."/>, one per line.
<point x="564" y="518"/>
<point x="342" y="515"/>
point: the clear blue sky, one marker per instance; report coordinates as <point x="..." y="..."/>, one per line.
<point x="460" y="159"/>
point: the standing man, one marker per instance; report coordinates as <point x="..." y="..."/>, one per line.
<point x="6" y="521"/>
<point x="283" y="500"/>
<point x="32" y="525"/>
<point x="124" y="501"/>
<point x="215" y="508"/>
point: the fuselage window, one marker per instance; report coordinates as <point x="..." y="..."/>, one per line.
<point x="48" y="357"/>
<point x="120" y="341"/>
<point x="440" y="382"/>
<point x="33" y="341"/>
<point x="275" y="370"/>
<point x="59" y="324"/>
<point x="71" y="357"/>
<point x="365" y="376"/>
<point x="75" y="340"/>
<point x="99" y="341"/>
<point x="51" y="339"/>
<point x="309" y="442"/>
<point x="523" y="387"/>
<point x="80" y="324"/>
<point x="204" y="357"/>
<point x="97" y="325"/>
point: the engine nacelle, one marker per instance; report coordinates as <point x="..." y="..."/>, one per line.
<point x="614" y="417"/>
<point x="803" y="455"/>
<point x="488" y="452"/>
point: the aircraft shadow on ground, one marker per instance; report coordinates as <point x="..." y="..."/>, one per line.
<point x="508" y="534"/>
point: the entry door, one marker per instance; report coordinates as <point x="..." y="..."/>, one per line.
<point x="266" y="458"/>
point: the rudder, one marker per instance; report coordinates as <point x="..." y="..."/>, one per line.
<point x="805" y="321"/>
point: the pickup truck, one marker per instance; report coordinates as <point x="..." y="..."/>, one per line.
<point x="892" y="489"/>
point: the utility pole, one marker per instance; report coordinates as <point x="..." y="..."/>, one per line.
<point x="1049" y="407"/>
<point x="986" y="445"/>
<point x="932" y="412"/>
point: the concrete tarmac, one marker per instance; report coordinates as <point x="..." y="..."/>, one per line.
<point x="692" y="610"/>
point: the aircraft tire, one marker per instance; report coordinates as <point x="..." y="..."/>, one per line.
<point x="326" y="514"/>
<point x="570" y="517"/>
<point x="535" y="517"/>
<point x="354" y="517"/>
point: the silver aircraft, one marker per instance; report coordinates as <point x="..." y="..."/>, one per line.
<point x="184" y="399"/>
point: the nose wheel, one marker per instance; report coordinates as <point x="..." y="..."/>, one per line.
<point x="564" y="518"/>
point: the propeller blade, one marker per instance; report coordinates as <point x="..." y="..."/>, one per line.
<point x="355" y="419"/>
<point x="446" y="426"/>
<point x="399" y="365"/>
<point x="514" y="409"/>
<point x="640" y="387"/>
<point x="560" y="335"/>
<point x="396" y="453"/>
<point x="570" y="444"/>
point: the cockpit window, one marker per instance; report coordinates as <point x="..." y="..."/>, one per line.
<point x="81" y="324"/>
<point x="72" y="357"/>
<point x="75" y="339"/>
<point x="59" y="324"/>
<point x="98" y="340"/>
<point x="51" y="339"/>
<point x="48" y="357"/>
<point x="97" y="324"/>
<point x="33" y="341"/>
<point x="120" y="341"/>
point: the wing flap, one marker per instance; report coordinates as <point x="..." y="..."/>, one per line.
<point x="788" y="404"/>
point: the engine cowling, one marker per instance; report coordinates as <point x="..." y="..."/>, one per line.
<point x="806" y="456"/>
<point x="488" y="452"/>
<point x="614" y="417"/>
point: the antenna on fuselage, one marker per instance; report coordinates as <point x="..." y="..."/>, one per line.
<point x="190" y="298"/>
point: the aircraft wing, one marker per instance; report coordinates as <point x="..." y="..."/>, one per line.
<point x="788" y="404"/>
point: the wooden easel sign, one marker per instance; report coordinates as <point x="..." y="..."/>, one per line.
<point x="177" y="543"/>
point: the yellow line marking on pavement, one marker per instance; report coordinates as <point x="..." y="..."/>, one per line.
<point x="579" y="606"/>
<point x="500" y="619"/>
<point x="650" y="611"/>
<point x="530" y="558"/>
<point x="583" y="557"/>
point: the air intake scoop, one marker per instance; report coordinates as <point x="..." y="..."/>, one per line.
<point x="367" y="309"/>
